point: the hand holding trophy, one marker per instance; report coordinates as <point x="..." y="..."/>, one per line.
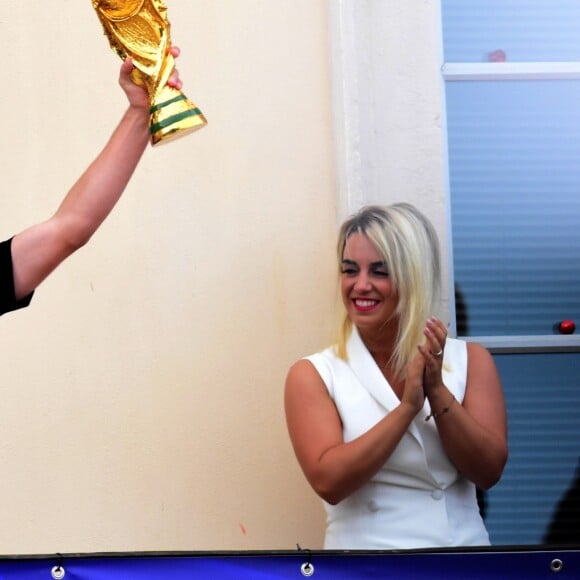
<point x="139" y="29"/>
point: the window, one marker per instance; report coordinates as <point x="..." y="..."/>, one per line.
<point x="512" y="87"/>
<point x="514" y="167"/>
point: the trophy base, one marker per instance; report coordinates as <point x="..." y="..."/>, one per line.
<point x="174" y="118"/>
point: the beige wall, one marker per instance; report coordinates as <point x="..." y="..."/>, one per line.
<point x="142" y="391"/>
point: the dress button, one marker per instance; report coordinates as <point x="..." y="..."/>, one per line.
<point x="437" y="494"/>
<point x="373" y="506"/>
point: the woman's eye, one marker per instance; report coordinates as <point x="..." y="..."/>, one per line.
<point x="349" y="271"/>
<point x="381" y="273"/>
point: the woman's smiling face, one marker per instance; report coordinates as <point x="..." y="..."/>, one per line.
<point x="366" y="285"/>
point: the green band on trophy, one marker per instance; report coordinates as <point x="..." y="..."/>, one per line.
<point x="174" y="119"/>
<point x="165" y="103"/>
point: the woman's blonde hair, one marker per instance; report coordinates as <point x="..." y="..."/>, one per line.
<point x="408" y="244"/>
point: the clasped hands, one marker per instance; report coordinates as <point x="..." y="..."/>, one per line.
<point x="424" y="372"/>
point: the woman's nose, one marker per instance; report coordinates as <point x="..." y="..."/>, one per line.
<point x="362" y="283"/>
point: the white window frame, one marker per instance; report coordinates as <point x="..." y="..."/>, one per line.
<point x="520" y="71"/>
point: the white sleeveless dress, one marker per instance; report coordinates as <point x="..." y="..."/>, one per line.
<point x="418" y="499"/>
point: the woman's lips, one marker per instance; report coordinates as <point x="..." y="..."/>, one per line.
<point x="365" y="304"/>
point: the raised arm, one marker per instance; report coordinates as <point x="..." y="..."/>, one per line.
<point x="39" y="249"/>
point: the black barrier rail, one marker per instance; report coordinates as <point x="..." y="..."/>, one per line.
<point x="526" y="563"/>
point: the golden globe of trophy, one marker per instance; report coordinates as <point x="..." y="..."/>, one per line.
<point x="139" y="29"/>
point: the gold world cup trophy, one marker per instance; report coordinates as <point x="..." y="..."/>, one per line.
<point x="139" y="29"/>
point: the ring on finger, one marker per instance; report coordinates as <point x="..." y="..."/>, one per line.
<point x="438" y="353"/>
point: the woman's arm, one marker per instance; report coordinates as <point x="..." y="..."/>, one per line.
<point x="38" y="250"/>
<point x="333" y="468"/>
<point x="474" y="434"/>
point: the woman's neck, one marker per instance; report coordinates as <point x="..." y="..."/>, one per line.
<point x="380" y="343"/>
<point x="381" y="346"/>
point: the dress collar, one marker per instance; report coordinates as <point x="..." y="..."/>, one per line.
<point x="372" y="379"/>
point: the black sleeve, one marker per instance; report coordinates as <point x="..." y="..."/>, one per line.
<point x="8" y="300"/>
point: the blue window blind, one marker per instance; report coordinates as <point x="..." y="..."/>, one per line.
<point x="526" y="30"/>
<point x="514" y="167"/>
<point x="543" y="402"/>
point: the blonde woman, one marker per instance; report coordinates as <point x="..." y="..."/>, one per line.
<point x="396" y="424"/>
